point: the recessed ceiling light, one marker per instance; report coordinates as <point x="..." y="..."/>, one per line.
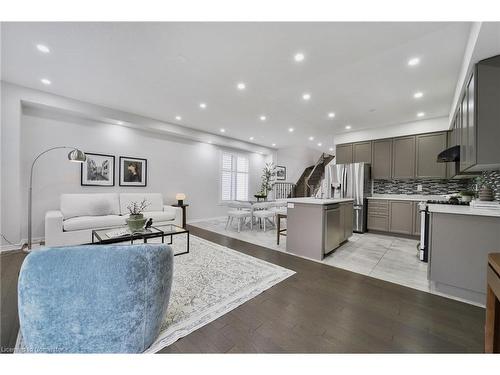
<point x="251" y="138"/>
<point x="203" y="105"/>
<point x="330" y="149"/>
<point x="45" y="81"/>
<point x="348" y="127"/>
<point x="299" y="57"/>
<point x="420" y="114"/>
<point x="306" y="96"/>
<point x="418" y="95"/>
<point x="178" y="118"/>
<point x="320" y="144"/>
<point x="413" y="61"/>
<point x="241" y="86"/>
<point x="263" y="118"/>
<point x="274" y="144"/>
<point x="291" y="130"/>
<point x="43" y="48"/>
<point x="119" y="122"/>
<point x="331" y="115"/>
<point x="222" y="130"/>
<point x="210" y="142"/>
<point x="311" y="138"/>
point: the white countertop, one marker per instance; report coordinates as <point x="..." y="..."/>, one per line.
<point x="462" y="210"/>
<point x="407" y="197"/>
<point x="318" y="200"/>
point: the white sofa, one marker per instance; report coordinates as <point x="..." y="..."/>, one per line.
<point x="79" y="214"/>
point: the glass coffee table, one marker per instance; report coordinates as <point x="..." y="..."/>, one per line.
<point x="122" y="234"/>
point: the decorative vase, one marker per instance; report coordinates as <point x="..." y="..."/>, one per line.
<point x="466" y="198"/>
<point x="485" y="194"/>
<point x="136" y="222"/>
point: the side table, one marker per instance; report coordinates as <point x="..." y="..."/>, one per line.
<point x="183" y="206"/>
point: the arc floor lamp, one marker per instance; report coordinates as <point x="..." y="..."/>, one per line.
<point x="75" y="155"/>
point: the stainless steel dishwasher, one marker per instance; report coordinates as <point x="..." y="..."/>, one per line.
<point x="332" y="228"/>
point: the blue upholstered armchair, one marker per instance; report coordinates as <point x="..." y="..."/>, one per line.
<point x="94" y="299"/>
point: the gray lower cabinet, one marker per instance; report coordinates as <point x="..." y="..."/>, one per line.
<point x="393" y="216"/>
<point x="403" y="157"/>
<point x="378" y="215"/>
<point x="343" y="154"/>
<point x="401" y="217"/>
<point x="428" y="147"/>
<point x="416" y="219"/>
<point x="459" y="247"/>
<point x="362" y="152"/>
<point x="382" y="159"/>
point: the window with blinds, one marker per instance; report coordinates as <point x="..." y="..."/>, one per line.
<point x="234" y="177"/>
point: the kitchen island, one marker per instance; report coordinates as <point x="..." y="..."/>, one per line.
<point x="316" y="227"/>
<point x="461" y="238"/>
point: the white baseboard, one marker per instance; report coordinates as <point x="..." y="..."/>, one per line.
<point x="205" y="219"/>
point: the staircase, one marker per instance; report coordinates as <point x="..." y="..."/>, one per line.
<point x="310" y="180"/>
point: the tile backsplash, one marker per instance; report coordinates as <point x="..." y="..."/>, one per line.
<point x="429" y="186"/>
<point x="435" y="186"/>
<point x="493" y="177"/>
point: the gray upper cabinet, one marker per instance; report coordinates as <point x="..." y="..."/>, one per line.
<point x="362" y="152"/>
<point x="478" y="115"/>
<point x="401" y="217"/>
<point x="428" y="148"/>
<point x="403" y="160"/>
<point x="382" y="159"/>
<point x="343" y="154"/>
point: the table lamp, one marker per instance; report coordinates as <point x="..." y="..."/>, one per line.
<point x="180" y="198"/>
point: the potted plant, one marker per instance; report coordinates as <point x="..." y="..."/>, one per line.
<point x="467" y="195"/>
<point x="268" y="175"/>
<point x="485" y="190"/>
<point x="136" y="219"/>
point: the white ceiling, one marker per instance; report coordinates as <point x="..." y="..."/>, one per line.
<point x="161" y="70"/>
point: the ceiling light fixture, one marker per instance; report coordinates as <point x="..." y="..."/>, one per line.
<point x="414" y="61"/>
<point x="274" y="144"/>
<point x="311" y="138"/>
<point x="420" y="114"/>
<point x="43" y="48"/>
<point x="119" y="122"/>
<point x="251" y="138"/>
<point x="291" y="130"/>
<point x="418" y="95"/>
<point x="263" y="118"/>
<point x="320" y="144"/>
<point x="348" y="127"/>
<point x="222" y="130"/>
<point x="45" y="81"/>
<point x="241" y="86"/>
<point x="203" y="105"/>
<point x="331" y="115"/>
<point x="330" y="149"/>
<point x="299" y="57"/>
<point x="178" y="118"/>
<point x="306" y="96"/>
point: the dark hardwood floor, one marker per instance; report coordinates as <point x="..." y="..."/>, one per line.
<point x="320" y="309"/>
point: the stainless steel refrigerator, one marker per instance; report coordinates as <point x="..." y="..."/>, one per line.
<point x="352" y="181"/>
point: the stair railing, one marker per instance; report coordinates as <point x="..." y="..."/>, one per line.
<point x="308" y="187"/>
<point x="283" y="190"/>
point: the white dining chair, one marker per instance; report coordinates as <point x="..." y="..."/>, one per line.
<point x="239" y="211"/>
<point x="262" y="211"/>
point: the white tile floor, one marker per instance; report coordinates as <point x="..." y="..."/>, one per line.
<point x="388" y="258"/>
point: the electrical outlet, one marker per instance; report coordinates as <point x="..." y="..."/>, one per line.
<point x="419" y="187"/>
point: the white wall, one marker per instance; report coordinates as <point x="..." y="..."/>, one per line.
<point x="409" y="128"/>
<point x="296" y="159"/>
<point x="174" y="164"/>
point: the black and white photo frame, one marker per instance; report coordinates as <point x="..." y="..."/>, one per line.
<point x="133" y="171"/>
<point x="98" y="170"/>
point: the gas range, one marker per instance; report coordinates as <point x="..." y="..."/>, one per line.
<point x="453" y="202"/>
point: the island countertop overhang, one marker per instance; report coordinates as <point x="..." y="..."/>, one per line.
<point x="318" y="201"/>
